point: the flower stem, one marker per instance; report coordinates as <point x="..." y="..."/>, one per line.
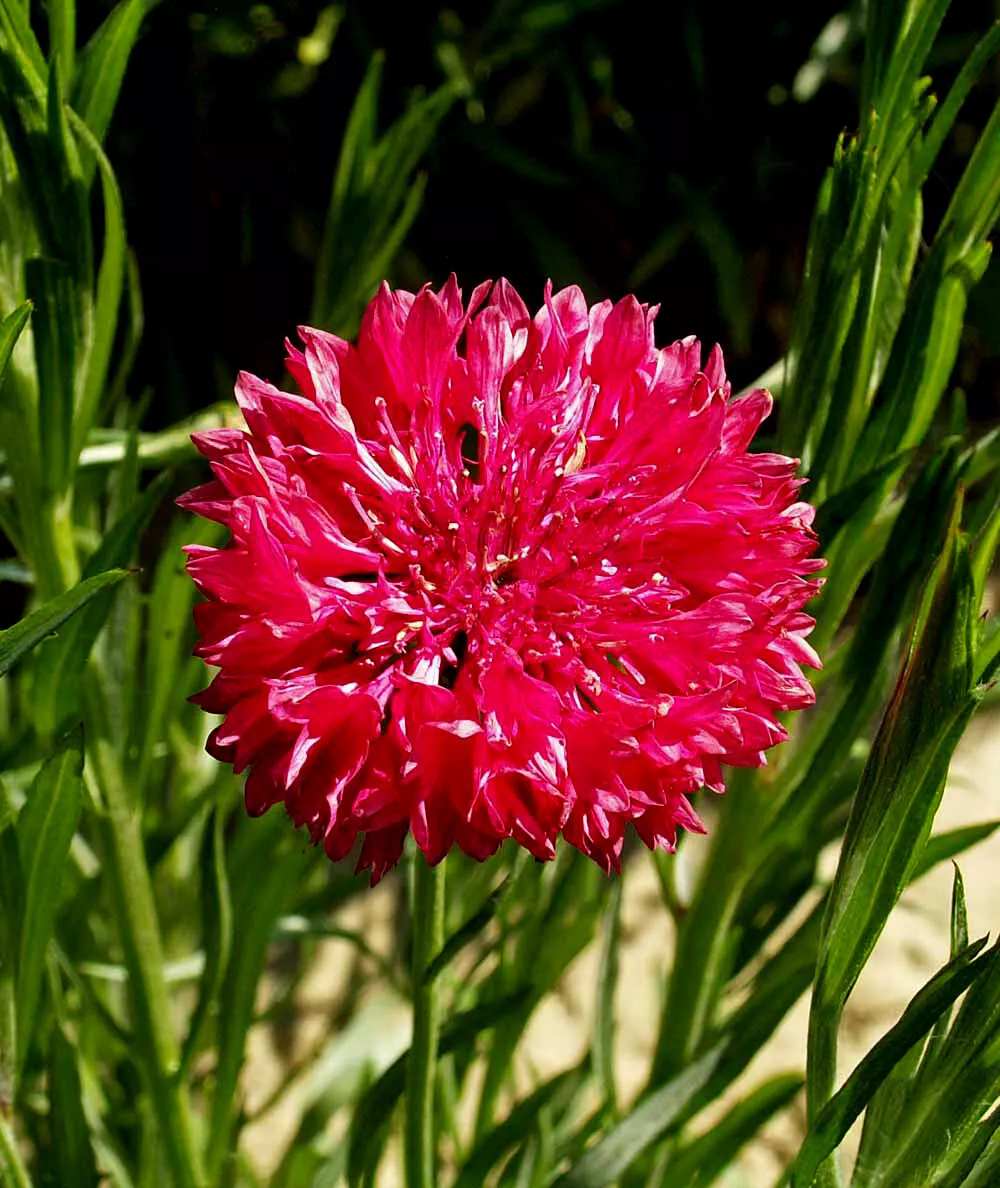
<point x="421" y="1068"/>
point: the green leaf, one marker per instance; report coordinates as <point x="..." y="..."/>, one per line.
<point x="106" y="447"/>
<point x="882" y="1117"/>
<point x="259" y="897"/>
<point x="465" y="935"/>
<point x="74" y="1152"/>
<point x="959" y="916"/>
<point x="914" y="36"/>
<point x="216" y="932"/>
<point x="134" y="321"/>
<point x="924" y="351"/>
<point x="943" y="846"/>
<point x="903" y="1107"/>
<point x="65" y="187"/>
<point x="45" y="828"/>
<point x="62" y="35"/>
<point x="18" y="640"/>
<point x="837" y="512"/>
<point x="567" y="900"/>
<point x="11" y="915"/>
<point x="376" y="1105"/>
<point x="101" y="66"/>
<point x="374" y="199"/>
<point x="959" y="942"/>
<point x="603" y="1163"/>
<point x="777" y="987"/>
<point x="699" y="1162"/>
<point x="957" y="1083"/>
<point x="517" y="1127"/>
<point x="25" y="125"/>
<point x="10" y="332"/>
<point x="986" y="1170"/>
<point x="607" y="982"/>
<point x="986" y="49"/>
<point x="167" y="627"/>
<point x="21" y="40"/>
<point x="982" y="458"/>
<point x="902" y="782"/>
<point x="13" y="1173"/>
<point x="836" y="1117"/>
<point x="885" y="22"/>
<point x="110" y="279"/>
<point x="63" y="662"/>
<point x="975" y="203"/>
<point x="354" y="147"/>
<point x="57" y="335"/>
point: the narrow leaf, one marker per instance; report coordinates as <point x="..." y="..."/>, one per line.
<point x="63" y="663"/>
<point x="903" y="779"/>
<point x="74" y="1153"/>
<point x="62" y="34"/>
<point x="13" y="1173"/>
<point x="697" y="1164"/>
<point x="605" y="1162"/>
<point x="259" y="898"/>
<point x="110" y="280"/>
<point x="607" y="982"/>
<point x="515" y="1128"/>
<point x="11" y="915"/>
<point x="101" y="66"/>
<point x="986" y="1170"/>
<point x="57" y="335"/>
<point x="16" y="28"/>
<point x="45" y="829"/>
<point x="10" y="332"/>
<point x="837" y="1116"/>
<point x="465" y="935"/>
<point x="943" y="846"/>
<point x="18" y="640"/>
<point x="376" y="1106"/>
<point x="959" y="916"/>
<point x="217" y="931"/>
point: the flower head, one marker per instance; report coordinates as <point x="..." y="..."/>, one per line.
<point x="498" y="575"/>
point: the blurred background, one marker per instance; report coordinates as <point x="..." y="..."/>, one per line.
<point x="582" y="140"/>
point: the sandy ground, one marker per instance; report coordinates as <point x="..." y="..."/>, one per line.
<point x="913" y="946"/>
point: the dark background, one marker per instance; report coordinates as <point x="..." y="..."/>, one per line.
<point x="670" y="155"/>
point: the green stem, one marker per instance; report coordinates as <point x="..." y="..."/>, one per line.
<point x="14" y="1173"/>
<point x="53" y="552"/>
<point x="135" y="912"/>
<point x="421" y="1068"/>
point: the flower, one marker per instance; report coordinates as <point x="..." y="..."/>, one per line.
<point x="499" y="576"/>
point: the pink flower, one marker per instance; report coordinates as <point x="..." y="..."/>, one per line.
<point x="494" y="575"/>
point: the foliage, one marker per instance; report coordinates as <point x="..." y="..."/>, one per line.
<point x="147" y="926"/>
